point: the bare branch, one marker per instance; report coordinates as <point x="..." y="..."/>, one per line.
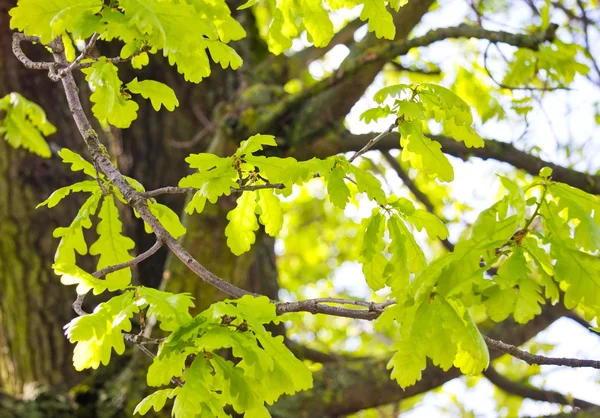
<point x="537" y="359"/>
<point x="192" y="190"/>
<point x="77" y="305"/>
<point x="84" y="54"/>
<point x="130" y="263"/>
<point x="530" y="392"/>
<point x="19" y="38"/>
<point x="316" y="306"/>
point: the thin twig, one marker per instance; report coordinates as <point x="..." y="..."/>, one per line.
<point x="373" y="141"/>
<point x="84" y="53"/>
<point x="319" y="305"/>
<point x="192" y="190"/>
<point x="77" y="305"/>
<point x="130" y="263"/>
<point x="140" y="339"/>
<point x="537" y="359"/>
<point x="18" y="38"/>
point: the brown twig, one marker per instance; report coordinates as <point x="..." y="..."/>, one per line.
<point x="537" y="359"/>
<point x="191" y="190"/>
<point x="130" y="263"/>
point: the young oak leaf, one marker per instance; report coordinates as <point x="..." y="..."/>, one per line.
<point x="156" y="400"/>
<point x="423" y="153"/>
<point x="96" y="334"/>
<point x="72" y="238"/>
<point x="53" y="18"/>
<point x="433" y="225"/>
<point x="24" y="124"/>
<point x="242" y="224"/>
<point x="112" y="247"/>
<point x="369" y="184"/>
<point x="255" y="143"/>
<point x="380" y="20"/>
<point x="159" y="94"/>
<point x="317" y="23"/>
<point x="54" y="199"/>
<point x="269" y="211"/>
<point x="109" y="102"/>
<point x="242" y="392"/>
<point x="78" y="163"/>
<point x="224" y="54"/>
<point x="338" y="191"/>
<point x="71" y="274"/>
<point x="167" y="218"/>
<point x="171" y="310"/>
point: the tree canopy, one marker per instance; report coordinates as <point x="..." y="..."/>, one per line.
<point x="295" y="267"/>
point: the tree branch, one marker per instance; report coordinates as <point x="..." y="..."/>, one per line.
<point x="537" y="359"/>
<point x="526" y="391"/>
<point x="130" y="263"/>
<point x="493" y="149"/>
<point x="191" y="190"/>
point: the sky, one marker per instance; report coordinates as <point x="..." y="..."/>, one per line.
<point x="549" y="128"/>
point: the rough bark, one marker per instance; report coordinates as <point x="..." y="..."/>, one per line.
<point x="33" y="305"/>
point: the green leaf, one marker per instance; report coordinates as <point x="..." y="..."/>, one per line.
<point x="71" y="274"/>
<point x="416" y="258"/>
<point x="242" y="224"/>
<point x="51" y="19"/>
<point x="72" y="236"/>
<point x="433" y="225"/>
<point x="255" y="143"/>
<point x="238" y="390"/>
<point x="216" y="177"/>
<point x="274" y="169"/>
<point x="423" y="153"/>
<point x="112" y="247"/>
<point x="269" y="209"/>
<point x="338" y="191"/>
<point x="171" y="310"/>
<point x="224" y="54"/>
<point x="196" y="204"/>
<point x="155" y="400"/>
<point x="195" y="395"/>
<point x="374" y="271"/>
<point x="391" y="91"/>
<point x="373" y="237"/>
<point x="24" y="124"/>
<point x="380" y="20"/>
<point x="376" y="113"/>
<point x="316" y="21"/>
<point x="165" y="367"/>
<point x="159" y="94"/>
<point x="98" y="333"/>
<point x="167" y="218"/>
<point x="78" y="163"/>
<point x="109" y="102"/>
<point x="369" y="184"/>
<point x="581" y="273"/>
<point x="581" y="206"/>
<point x="54" y="199"/>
